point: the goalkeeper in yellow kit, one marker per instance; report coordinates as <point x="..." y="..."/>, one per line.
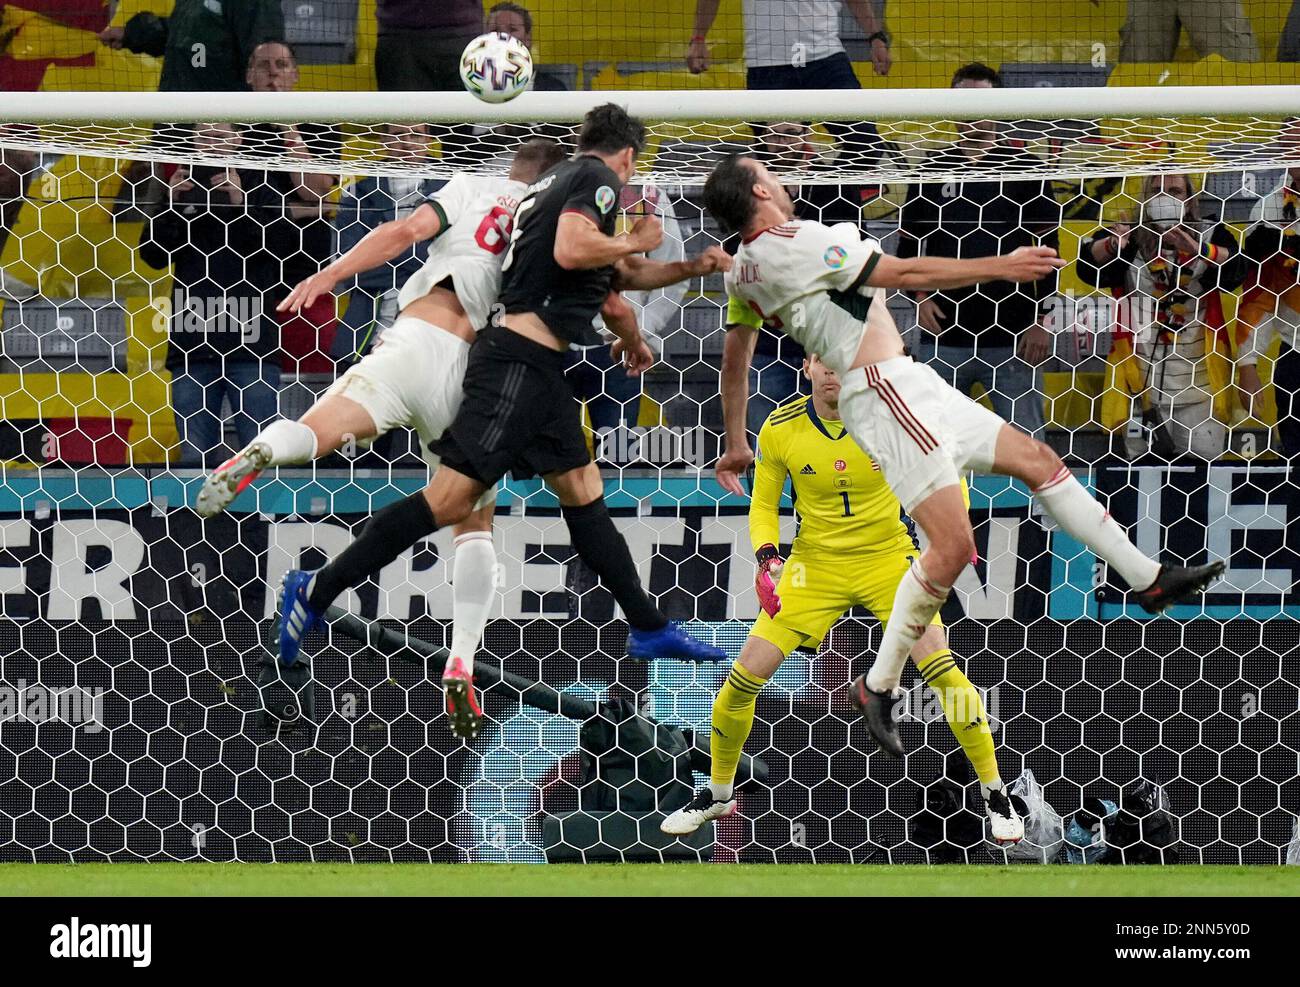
<point x="852" y="548"/>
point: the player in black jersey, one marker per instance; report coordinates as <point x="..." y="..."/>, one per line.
<point x="518" y="414"/>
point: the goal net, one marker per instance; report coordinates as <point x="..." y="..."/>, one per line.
<point x="134" y="695"/>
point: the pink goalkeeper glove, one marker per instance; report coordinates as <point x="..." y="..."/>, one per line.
<point x="770" y="565"/>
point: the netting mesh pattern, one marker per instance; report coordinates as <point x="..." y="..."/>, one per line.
<point x="112" y="593"/>
<point x="181" y="769"/>
<point x="680" y="152"/>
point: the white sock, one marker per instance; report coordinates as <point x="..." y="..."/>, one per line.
<point x="987" y="790"/>
<point x="1080" y="516"/>
<point x="290" y="442"/>
<point x="473" y="590"/>
<point x="721" y="793"/>
<point x="916" y="601"/>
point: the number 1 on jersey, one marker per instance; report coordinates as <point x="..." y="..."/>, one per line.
<point x="848" y="511"/>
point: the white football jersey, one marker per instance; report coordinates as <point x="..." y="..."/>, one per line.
<point x="809" y="281"/>
<point x="478" y="214"/>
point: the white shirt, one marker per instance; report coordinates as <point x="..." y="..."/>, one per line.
<point x="659" y="308"/>
<point x="809" y="280"/>
<point x="478" y="213"/>
<point x="1175" y="369"/>
<point x="791" y="32"/>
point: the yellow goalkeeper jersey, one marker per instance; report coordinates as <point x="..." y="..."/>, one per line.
<point x="840" y="496"/>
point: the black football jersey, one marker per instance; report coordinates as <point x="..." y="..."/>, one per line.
<point x="531" y="281"/>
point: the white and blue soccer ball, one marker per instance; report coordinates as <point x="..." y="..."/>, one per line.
<point x="496" y="67"/>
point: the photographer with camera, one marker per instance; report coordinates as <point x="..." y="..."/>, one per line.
<point x="1171" y="346"/>
<point x="218" y="348"/>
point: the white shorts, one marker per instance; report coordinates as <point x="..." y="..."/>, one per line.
<point x="921" y="430"/>
<point x="413" y="376"/>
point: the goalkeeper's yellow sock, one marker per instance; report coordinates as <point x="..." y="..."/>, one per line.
<point x="964" y="711"/>
<point x="733" y="718"/>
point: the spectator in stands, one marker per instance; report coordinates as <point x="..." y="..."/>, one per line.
<point x="795" y="44"/>
<point x="217" y="350"/>
<point x="1216" y="27"/>
<point x="992" y="334"/>
<point x="790" y="146"/>
<point x="1270" y="306"/>
<point x="365" y="204"/>
<point x="483" y="144"/>
<point x="421" y="41"/>
<point x="297" y="211"/>
<point x="611" y="396"/>
<point x="1171" y="268"/>
<point x="1288" y="44"/>
<point x="201" y="50"/>
<point x="517" y="21"/>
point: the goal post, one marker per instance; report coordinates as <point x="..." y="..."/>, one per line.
<point x="1073" y="132"/>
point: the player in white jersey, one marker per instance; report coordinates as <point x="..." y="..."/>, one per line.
<point x="412" y="377"/>
<point x="824" y="286"/>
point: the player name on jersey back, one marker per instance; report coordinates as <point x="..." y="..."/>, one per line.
<point x="810" y="281"/>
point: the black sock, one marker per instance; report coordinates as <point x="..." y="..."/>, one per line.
<point x="599" y="544"/>
<point x="386" y="536"/>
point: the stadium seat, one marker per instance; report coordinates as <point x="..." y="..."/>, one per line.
<point x="1232" y="190"/>
<point x="85" y="335"/>
<point x="566" y="75"/>
<point x="322" y="32"/>
<point x="299" y="392"/>
<point x="661" y="75"/>
<point x="1051" y="75"/>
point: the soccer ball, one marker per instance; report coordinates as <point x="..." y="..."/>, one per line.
<point x="496" y="67"/>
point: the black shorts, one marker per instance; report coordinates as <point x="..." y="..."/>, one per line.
<point x="518" y="415"/>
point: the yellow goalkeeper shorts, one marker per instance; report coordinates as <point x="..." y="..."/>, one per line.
<point x="817" y="592"/>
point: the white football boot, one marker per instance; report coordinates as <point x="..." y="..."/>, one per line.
<point x="231" y="478"/>
<point x="1005" y="825"/>
<point x="689" y="818"/>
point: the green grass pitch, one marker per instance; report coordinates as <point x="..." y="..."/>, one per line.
<point x="522" y="880"/>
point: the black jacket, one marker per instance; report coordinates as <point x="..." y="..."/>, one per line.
<point x="228" y="30"/>
<point x="976" y="219"/>
<point x="219" y="270"/>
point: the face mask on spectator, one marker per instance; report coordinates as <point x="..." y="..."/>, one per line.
<point x="1162" y="211"/>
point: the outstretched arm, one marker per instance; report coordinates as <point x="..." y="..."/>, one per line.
<point x="938" y="273"/>
<point x="737" y="456"/>
<point x="382" y="244"/>
<point x="580" y="246"/>
<point x="637" y="273"/>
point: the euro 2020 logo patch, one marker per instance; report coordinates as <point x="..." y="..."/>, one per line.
<point x="605" y="199"/>
<point x="834" y="257"/>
